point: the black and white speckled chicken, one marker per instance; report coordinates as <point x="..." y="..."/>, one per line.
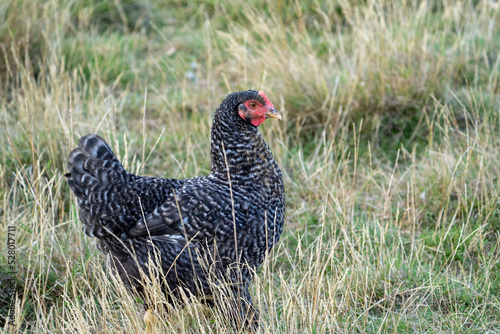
<point x="221" y="224"/>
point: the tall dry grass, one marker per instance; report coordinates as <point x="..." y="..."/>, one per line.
<point x="389" y="150"/>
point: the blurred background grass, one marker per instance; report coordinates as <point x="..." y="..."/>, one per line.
<point x="389" y="146"/>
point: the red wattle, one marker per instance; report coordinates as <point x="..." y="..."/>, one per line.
<point x="258" y="120"/>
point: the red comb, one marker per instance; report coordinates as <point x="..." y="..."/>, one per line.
<point x="269" y="104"/>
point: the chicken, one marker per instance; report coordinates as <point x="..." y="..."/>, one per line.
<point x="216" y="227"/>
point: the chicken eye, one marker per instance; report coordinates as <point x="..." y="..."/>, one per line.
<point x="253" y="104"/>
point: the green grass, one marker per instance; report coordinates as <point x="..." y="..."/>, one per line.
<point x="389" y="148"/>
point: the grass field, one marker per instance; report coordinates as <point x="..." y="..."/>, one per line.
<point x="390" y="149"/>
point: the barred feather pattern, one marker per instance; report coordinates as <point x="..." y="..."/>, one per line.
<point x="221" y="224"/>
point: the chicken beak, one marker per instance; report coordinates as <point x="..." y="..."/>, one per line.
<point x="273" y="113"/>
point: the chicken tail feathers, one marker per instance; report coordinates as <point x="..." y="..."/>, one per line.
<point x="94" y="175"/>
